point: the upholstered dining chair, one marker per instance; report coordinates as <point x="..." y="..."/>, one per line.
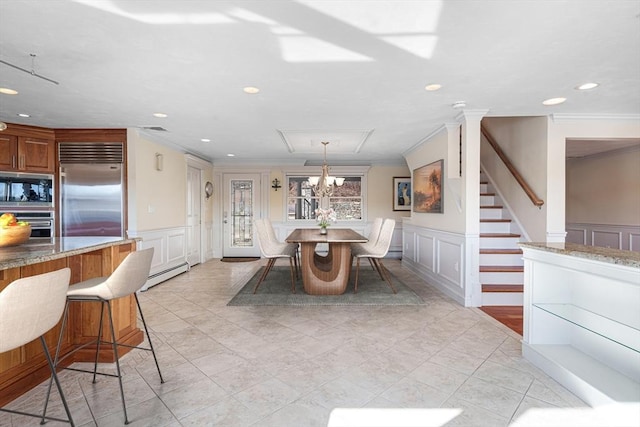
<point x="29" y="307"/>
<point x="274" y="238"/>
<point x="272" y="250"/>
<point x="127" y="279"/>
<point x="376" y="253"/>
<point x="373" y="239"/>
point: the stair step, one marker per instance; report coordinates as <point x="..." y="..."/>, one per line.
<point x="491" y="207"/>
<point x="501" y="251"/>
<point x="494" y="220"/>
<point x="487" y="194"/>
<point x="498" y="235"/>
<point x="501" y="269"/>
<point x="502" y="288"/>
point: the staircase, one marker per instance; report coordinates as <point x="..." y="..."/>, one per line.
<point x="501" y="264"/>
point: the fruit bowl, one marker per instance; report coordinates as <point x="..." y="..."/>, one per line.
<point x="14" y="235"/>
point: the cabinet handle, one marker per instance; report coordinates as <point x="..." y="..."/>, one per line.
<point x="21" y="162"/>
<point x="13" y="162"/>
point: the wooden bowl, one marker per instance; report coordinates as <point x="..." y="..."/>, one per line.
<point x="14" y="235"/>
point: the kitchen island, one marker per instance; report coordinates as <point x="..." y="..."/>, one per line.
<point x="87" y="257"/>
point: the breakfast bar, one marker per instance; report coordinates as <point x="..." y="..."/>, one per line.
<point x="87" y="257"/>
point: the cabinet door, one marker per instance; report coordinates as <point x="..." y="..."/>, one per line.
<point x="35" y="155"/>
<point x="8" y="152"/>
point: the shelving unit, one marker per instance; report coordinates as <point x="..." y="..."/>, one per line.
<point x="582" y="320"/>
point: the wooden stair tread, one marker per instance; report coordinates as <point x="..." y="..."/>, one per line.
<point x="501" y="251"/>
<point x="491" y="207"/>
<point x="495" y="220"/>
<point x="487" y="194"/>
<point x="499" y="235"/>
<point x="501" y="268"/>
<point x="502" y="288"/>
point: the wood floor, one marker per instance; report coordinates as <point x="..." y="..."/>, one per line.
<point x="510" y="316"/>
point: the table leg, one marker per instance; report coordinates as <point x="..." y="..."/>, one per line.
<point x="326" y="275"/>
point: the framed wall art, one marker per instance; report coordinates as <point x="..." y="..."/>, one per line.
<point x="427" y="188"/>
<point x="402" y="193"/>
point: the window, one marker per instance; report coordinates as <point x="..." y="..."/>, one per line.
<point x="346" y="201"/>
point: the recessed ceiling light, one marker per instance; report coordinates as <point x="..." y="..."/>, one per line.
<point x="160" y="115"/>
<point x="231" y="155"/>
<point x="23" y="115"/>
<point x="587" y="86"/>
<point x="459" y="104"/>
<point x="432" y="87"/>
<point x="554" y="101"/>
<point x="251" y="90"/>
<point x="8" y="91"/>
<point x="205" y="140"/>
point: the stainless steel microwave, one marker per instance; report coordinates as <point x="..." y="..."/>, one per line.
<point x="21" y="189"/>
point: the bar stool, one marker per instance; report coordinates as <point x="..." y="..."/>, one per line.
<point x="126" y="280"/>
<point x="29" y="307"/>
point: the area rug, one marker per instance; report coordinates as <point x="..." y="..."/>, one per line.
<point x="276" y="290"/>
<point x="239" y="259"/>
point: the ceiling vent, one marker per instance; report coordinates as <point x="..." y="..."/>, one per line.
<point x="156" y="128"/>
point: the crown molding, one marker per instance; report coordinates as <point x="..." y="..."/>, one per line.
<point x="592" y="117"/>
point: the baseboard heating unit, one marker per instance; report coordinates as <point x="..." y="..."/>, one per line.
<point x="166" y="274"/>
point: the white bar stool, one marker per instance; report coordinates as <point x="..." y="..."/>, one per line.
<point x="29" y="307"/>
<point x="126" y="280"/>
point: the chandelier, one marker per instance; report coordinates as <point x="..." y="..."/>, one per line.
<point x="324" y="184"/>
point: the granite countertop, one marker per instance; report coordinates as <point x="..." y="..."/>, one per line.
<point x="50" y="249"/>
<point x="596" y="253"/>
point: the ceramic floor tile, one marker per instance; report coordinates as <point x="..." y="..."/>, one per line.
<point x="291" y="366"/>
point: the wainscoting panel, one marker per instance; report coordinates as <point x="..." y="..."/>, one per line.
<point x="624" y="237"/>
<point x="437" y="257"/>
<point x="170" y="253"/>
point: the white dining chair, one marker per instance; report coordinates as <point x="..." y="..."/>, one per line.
<point x="376" y="226"/>
<point x="127" y="279"/>
<point x="272" y="250"/>
<point x="376" y="253"/>
<point x="30" y="307"/>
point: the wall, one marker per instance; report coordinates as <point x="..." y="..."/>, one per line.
<point x="524" y="141"/>
<point x="157" y="199"/>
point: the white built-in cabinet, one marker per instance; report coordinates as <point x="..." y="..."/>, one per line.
<point x="582" y="319"/>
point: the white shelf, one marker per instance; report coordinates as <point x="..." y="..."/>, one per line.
<point x="610" y="329"/>
<point x="595" y="382"/>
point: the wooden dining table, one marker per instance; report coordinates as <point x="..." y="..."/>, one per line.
<point x="325" y="274"/>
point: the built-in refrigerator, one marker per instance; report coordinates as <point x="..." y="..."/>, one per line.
<point x="91" y="199"/>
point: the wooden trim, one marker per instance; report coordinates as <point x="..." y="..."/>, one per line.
<point x="518" y="177"/>
<point x="29" y="131"/>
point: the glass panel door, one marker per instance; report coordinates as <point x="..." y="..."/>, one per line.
<point x="242" y="200"/>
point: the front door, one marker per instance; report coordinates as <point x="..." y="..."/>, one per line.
<point x="241" y="203"/>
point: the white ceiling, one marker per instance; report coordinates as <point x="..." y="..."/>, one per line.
<point x="349" y="72"/>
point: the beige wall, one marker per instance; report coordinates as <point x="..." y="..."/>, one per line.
<point x="524" y="141"/>
<point x="157" y="199"/>
<point x="436" y="148"/>
<point x="604" y="189"/>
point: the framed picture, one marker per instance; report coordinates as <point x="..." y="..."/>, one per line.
<point x="427" y="188"/>
<point x="402" y="193"/>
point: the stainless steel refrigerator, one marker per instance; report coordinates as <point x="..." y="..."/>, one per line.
<point x="91" y="199"/>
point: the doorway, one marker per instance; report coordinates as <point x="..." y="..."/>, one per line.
<point x="241" y="205"/>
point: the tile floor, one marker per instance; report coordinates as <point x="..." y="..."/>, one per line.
<point x="291" y="366"/>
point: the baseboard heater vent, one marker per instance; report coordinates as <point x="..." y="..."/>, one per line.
<point x="167" y="274"/>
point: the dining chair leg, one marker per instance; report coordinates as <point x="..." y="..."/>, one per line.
<point x="293" y="274"/>
<point x="385" y="272"/>
<point x="355" y="286"/>
<point x="267" y="268"/>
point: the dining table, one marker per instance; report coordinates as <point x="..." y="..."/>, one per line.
<point x="325" y="274"/>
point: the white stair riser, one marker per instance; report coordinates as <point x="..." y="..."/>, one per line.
<point x="490" y="213"/>
<point x="502" y="298"/>
<point x="499" y="243"/>
<point x="487" y="200"/>
<point x="484" y="188"/>
<point x="500" y="278"/>
<point x="501" y="259"/>
<point x="495" y="227"/>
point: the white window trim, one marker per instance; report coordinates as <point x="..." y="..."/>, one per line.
<point x="360" y="171"/>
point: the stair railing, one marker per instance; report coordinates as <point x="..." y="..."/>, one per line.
<point x="518" y="177"/>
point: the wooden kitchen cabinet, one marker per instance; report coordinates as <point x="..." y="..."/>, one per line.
<point x="27" y="151"/>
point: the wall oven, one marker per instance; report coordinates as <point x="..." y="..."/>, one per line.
<point x="30" y="198"/>
<point x="41" y="223"/>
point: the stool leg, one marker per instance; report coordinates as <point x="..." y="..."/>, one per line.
<point x="95" y="362"/>
<point x="115" y="353"/>
<point x="149" y="338"/>
<point x="54" y="377"/>
<point x="55" y="360"/>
